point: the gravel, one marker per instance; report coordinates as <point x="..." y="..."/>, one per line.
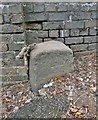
<point x="41" y="107"/>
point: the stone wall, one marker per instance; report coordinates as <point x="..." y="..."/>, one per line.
<point x="74" y="24"/>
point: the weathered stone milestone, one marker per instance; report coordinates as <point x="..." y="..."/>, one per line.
<point x="47" y="60"/>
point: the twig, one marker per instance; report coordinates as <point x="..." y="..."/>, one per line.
<point x="67" y="111"/>
<point x="25" y="52"/>
<point x="56" y="112"/>
<point x="74" y="103"/>
<point x="80" y="97"/>
<point x="20" y="55"/>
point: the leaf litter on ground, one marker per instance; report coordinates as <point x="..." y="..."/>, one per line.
<point x="79" y="86"/>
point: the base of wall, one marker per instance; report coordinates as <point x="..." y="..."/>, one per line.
<point x="77" y="54"/>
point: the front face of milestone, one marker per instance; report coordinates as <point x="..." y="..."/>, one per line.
<point x="48" y="60"/>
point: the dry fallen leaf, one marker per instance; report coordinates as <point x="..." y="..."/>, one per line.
<point x="54" y="93"/>
<point x="73" y="109"/>
<point x="78" y="113"/>
<point x="59" y="79"/>
<point x="15" y="109"/>
<point x="7" y="99"/>
<point x="93" y="89"/>
<point x="27" y="101"/>
<point x="24" y="98"/>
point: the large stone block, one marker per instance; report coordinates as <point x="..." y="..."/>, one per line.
<point x="29" y="7"/>
<point x="8" y="71"/>
<point x="50" y="7"/>
<point x="94" y="14"/>
<point x="56" y="39"/>
<point x="74" y="32"/>
<point x="8" y="62"/>
<point x="74" y="7"/>
<point x="9" y="28"/>
<point x="12" y="8"/>
<point x="1" y="19"/>
<point x="84" y="32"/>
<point x="36" y="36"/>
<point x="36" y="17"/>
<point x="53" y="33"/>
<point x="92" y="46"/>
<point x="92" y="31"/>
<point x="52" y="25"/>
<point x="34" y="26"/>
<point x="5" y="38"/>
<point x="79" y="47"/>
<point x="90" y="39"/>
<point x="8" y="79"/>
<point x="62" y="6"/>
<point x="7" y="55"/>
<point x="91" y="23"/>
<point x="81" y="16"/>
<point x="57" y="16"/>
<point x="74" y="25"/>
<point x="3" y="47"/>
<point x="38" y="7"/>
<point x="74" y="40"/>
<point x="64" y="33"/>
<point x="15" y="46"/>
<point x="47" y="60"/>
<point x="7" y="18"/>
<point x="16" y="18"/>
<point x="17" y="38"/>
